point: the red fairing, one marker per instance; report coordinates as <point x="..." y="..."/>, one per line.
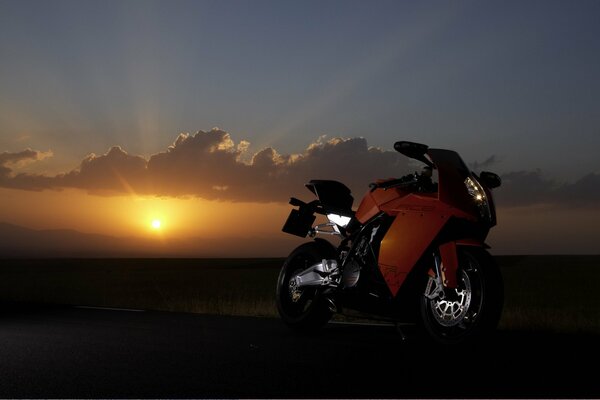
<point x="413" y="251"/>
<point x="419" y="218"/>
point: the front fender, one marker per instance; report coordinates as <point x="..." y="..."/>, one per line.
<point x="449" y="257"/>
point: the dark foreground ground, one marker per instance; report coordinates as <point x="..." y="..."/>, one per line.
<point x="65" y="352"/>
<point x="542" y="293"/>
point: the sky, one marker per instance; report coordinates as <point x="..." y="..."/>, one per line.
<point x="208" y="115"/>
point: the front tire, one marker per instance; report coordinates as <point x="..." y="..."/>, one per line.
<point x="302" y="309"/>
<point x="472" y="310"/>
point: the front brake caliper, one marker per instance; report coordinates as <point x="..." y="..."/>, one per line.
<point x="434" y="288"/>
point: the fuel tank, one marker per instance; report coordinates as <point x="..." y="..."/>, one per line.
<point x="380" y="200"/>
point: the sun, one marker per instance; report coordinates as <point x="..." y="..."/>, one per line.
<point x="155" y="224"/>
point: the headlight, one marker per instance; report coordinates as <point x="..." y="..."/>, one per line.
<point x="478" y="194"/>
<point x="338" y="219"/>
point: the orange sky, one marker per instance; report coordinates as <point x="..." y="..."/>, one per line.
<point x="131" y="215"/>
<point x="95" y="123"/>
<point x="520" y="230"/>
<point x="120" y="194"/>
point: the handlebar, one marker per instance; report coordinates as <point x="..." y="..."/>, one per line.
<point x="406" y="180"/>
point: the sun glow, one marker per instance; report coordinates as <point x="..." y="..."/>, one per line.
<point x="132" y="216"/>
<point x="156" y="224"/>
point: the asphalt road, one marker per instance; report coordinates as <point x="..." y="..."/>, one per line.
<point x="64" y="352"/>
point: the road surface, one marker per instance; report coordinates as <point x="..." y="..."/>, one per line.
<point x="66" y="352"/>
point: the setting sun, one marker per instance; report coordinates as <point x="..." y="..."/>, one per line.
<point x="156" y="224"/>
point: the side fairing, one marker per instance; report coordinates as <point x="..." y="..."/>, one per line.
<point x="376" y="201"/>
<point x="418" y="222"/>
<point x="419" y="218"/>
<point x="367" y="209"/>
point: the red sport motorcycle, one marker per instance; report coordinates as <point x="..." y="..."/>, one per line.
<point x="413" y="251"/>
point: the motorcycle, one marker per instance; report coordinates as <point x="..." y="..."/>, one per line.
<point x="413" y="251"/>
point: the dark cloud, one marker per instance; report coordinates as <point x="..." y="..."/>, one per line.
<point x="23" y="181"/>
<point x="112" y="173"/>
<point x="531" y="187"/>
<point x="8" y="159"/>
<point x="585" y="191"/>
<point x="525" y="188"/>
<point x="480" y="166"/>
<point x="210" y="165"/>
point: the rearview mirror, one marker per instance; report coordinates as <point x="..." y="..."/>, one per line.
<point x="413" y="150"/>
<point x="490" y="179"/>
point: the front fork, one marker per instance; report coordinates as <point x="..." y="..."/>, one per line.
<point x="435" y="287"/>
<point x="449" y="265"/>
<point x="445" y="262"/>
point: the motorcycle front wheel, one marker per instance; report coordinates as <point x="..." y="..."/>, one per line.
<point x="472" y="310"/>
<point x="302" y="308"/>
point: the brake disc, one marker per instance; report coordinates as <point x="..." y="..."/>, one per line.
<point x="451" y="308"/>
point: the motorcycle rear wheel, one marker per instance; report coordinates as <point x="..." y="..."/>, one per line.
<point x="302" y="309"/>
<point x="471" y="311"/>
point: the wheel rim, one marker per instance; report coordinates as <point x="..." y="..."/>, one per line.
<point x="455" y="312"/>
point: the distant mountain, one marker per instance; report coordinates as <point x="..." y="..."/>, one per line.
<point x="20" y="242"/>
<point x="17" y="241"/>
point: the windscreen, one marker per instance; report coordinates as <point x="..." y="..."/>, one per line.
<point x="452" y="173"/>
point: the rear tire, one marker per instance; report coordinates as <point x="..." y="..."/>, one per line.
<point x="304" y="309"/>
<point x="471" y="311"/>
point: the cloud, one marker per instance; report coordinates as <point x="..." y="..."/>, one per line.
<point x="114" y="172"/>
<point x="585" y="191"/>
<point x="524" y="188"/>
<point x="480" y="166"/>
<point x="211" y="165"/>
<point x="9" y="161"/>
<point x="16" y="159"/>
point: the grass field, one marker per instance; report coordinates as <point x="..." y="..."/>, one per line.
<point x="550" y="293"/>
<point x="556" y="293"/>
